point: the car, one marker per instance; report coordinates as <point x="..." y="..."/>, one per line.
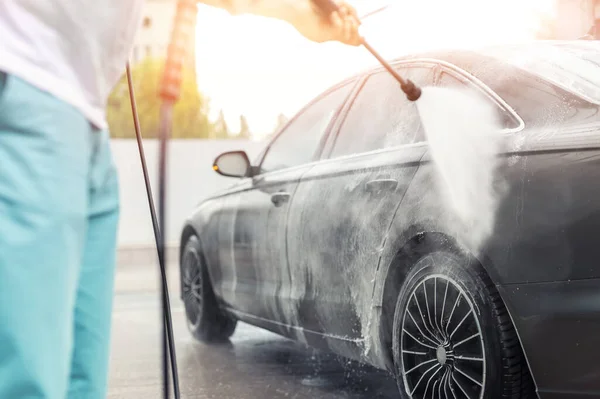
<point x="337" y="234"/>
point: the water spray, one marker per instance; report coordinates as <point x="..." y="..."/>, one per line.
<point x="462" y="132"/>
<point x="442" y="113"/>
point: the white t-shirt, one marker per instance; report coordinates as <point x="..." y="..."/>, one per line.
<point x="74" y="49"/>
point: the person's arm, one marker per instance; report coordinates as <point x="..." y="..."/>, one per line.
<point x="341" y="26"/>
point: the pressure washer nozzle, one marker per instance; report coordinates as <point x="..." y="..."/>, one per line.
<point x="412" y="91"/>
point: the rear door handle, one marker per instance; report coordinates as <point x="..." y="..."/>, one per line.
<point x="379" y="185"/>
<point x="280" y="198"/>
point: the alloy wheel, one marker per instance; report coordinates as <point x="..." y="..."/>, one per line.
<point x="192" y="286"/>
<point x="441" y="343"/>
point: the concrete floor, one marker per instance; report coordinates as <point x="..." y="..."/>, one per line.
<point x="254" y="364"/>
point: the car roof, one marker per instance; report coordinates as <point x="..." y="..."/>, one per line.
<point x="449" y="53"/>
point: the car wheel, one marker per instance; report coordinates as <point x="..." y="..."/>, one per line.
<point x="452" y="335"/>
<point x="205" y="319"/>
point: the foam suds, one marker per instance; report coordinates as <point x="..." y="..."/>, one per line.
<point x="464" y="141"/>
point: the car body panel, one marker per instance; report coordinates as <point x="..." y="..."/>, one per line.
<point x="337" y="227"/>
<point x="204" y="222"/>
<point x="547" y="218"/>
<point x="260" y="250"/>
<point x="542" y="214"/>
<point x="558" y="324"/>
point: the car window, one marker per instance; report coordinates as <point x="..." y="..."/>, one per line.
<point x="541" y="104"/>
<point x="381" y="116"/>
<point x="507" y="120"/>
<point x="298" y="143"/>
<point x="538" y="102"/>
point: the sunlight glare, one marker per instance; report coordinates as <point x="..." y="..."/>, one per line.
<point x="262" y="67"/>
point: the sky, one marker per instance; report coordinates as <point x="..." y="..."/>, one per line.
<point x="262" y="67"/>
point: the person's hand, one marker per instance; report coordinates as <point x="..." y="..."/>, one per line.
<point x="341" y="26"/>
<point x="304" y="15"/>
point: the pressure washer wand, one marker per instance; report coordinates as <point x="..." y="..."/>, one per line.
<point x="412" y="91"/>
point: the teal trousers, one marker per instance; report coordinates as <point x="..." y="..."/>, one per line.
<point x="59" y="206"/>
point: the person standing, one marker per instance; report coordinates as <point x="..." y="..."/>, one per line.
<point x="59" y="198"/>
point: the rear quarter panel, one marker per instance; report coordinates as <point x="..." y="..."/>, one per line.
<point x="548" y="213"/>
<point x="546" y="229"/>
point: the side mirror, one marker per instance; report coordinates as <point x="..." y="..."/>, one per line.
<point x="233" y="164"/>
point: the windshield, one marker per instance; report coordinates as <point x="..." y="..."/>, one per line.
<point x="574" y="67"/>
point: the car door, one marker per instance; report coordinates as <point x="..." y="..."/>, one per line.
<point x="343" y="206"/>
<point x="258" y="239"/>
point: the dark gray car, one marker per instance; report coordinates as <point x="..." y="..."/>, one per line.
<point x="336" y="235"/>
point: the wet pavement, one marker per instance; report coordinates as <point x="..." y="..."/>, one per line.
<point x="254" y="364"/>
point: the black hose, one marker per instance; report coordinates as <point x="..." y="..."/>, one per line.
<point x="168" y="343"/>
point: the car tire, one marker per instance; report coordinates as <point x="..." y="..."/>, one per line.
<point x="205" y="319"/>
<point x="452" y="334"/>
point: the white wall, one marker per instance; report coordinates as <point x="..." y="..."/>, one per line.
<point x="190" y="178"/>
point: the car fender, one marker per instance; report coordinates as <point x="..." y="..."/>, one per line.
<point x="402" y="249"/>
<point x="203" y="219"/>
